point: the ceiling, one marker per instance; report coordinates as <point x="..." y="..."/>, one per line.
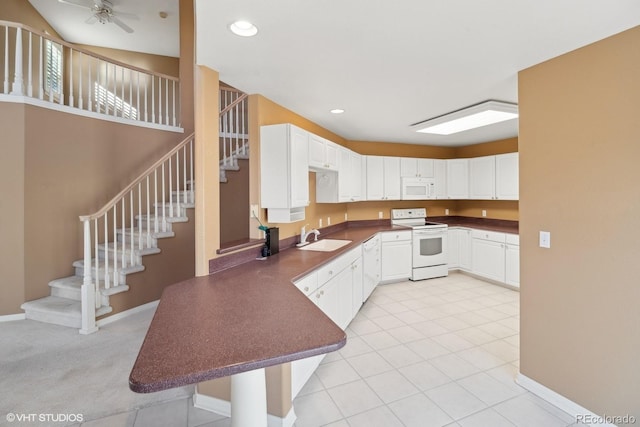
<point x="387" y="64"/>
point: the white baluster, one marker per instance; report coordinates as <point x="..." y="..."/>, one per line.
<point x="123" y="261"/>
<point x="106" y="85"/>
<point x="159" y="100"/>
<point x="107" y="282"/>
<point x="170" y="190"/>
<point x="164" y="210"/>
<point x="71" y="101"/>
<point x="80" y="100"/>
<point x="139" y="215"/>
<point x="193" y="197"/>
<point x="130" y="112"/>
<point x="115" y="245"/>
<point x="6" y="60"/>
<point x="174" y="102"/>
<point x="166" y="100"/>
<point x="90" y="85"/>
<point x="87" y="291"/>
<point x="96" y="265"/>
<point x="115" y="89"/>
<point x="61" y="83"/>
<point x="138" y="96"/>
<point x="155" y="199"/>
<point x="30" y="67"/>
<point x="148" y="213"/>
<point x="17" y="88"/>
<point x="40" y="72"/>
<point x="131" y="224"/>
<point x="121" y="95"/>
<point x="184" y="173"/>
<point x="146" y="115"/>
<point x="153" y="100"/>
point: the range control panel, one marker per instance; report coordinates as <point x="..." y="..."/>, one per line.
<point x="408" y="213"/>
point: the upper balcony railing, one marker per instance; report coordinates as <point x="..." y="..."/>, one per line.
<point x="39" y="66"/>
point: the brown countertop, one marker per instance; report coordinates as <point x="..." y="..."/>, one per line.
<point x="243" y="318"/>
<point x="249" y="316"/>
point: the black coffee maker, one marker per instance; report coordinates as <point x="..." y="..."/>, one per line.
<point x="272" y="242"/>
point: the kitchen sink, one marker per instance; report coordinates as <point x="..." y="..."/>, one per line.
<point x="326" y="245"/>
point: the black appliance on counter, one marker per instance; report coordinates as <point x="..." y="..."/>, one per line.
<point x="272" y="242"/>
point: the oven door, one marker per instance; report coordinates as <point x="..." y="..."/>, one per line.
<point x="429" y="247"/>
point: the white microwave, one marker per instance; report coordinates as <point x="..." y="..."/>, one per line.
<point x="418" y="188"/>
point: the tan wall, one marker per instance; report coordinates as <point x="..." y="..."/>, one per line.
<point x="187" y="65"/>
<point x="487" y="148"/>
<point x="72" y="166"/>
<point x="12" y="176"/>
<point x="23" y="12"/>
<point x="401" y="150"/>
<point x="579" y="179"/>
<point x="161" y="64"/>
<point x="234" y="205"/>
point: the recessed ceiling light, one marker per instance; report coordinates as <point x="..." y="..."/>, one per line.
<point x="337" y="111"/>
<point x="243" y="28"/>
<point x="476" y="116"/>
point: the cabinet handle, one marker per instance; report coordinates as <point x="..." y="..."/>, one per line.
<point x="330" y="272"/>
<point x="321" y="292"/>
<point x="306" y="289"/>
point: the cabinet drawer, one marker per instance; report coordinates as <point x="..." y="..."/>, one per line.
<point x="488" y="235"/>
<point x="513" y="239"/>
<point x="327" y="272"/>
<point x="394" y="236"/>
<point x="308" y="284"/>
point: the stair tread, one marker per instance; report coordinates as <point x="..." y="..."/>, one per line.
<point x="126" y="270"/>
<point x="76" y="282"/>
<point x="143" y="232"/>
<point x="127" y="248"/>
<point x="166" y="218"/>
<point x="62" y="307"/>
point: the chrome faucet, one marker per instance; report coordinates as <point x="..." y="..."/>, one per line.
<point x="304" y="235"/>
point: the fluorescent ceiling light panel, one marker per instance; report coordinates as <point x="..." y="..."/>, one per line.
<point x="476" y="116"/>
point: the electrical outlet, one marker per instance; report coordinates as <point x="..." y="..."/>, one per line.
<point x="346" y="218"/>
<point x="446" y="211"/>
<point x="320" y="223"/>
<point x="328" y="221"/>
<point x="484" y="212"/>
<point x="380" y="215"/>
<point x="545" y="239"/>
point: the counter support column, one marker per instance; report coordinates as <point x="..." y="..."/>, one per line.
<point x="249" y="399"/>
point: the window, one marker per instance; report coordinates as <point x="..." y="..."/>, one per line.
<point x="53" y="60"/>
<point x="110" y="103"/>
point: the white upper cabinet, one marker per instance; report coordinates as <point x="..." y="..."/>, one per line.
<point x="482" y="178"/>
<point x="345" y="185"/>
<point x="440" y="178"/>
<point x="284" y="172"/>
<point x="323" y="154"/>
<point x="507" y="173"/>
<point x="414" y="167"/>
<point x="383" y="178"/>
<point x="457" y="178"/>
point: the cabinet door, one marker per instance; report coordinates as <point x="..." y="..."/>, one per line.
<point x="424" y="168"/>
<point x="345" y="176"/>
<point x="375" y="177"/>
<point x="458" y="178"/>
<point x="299" y="168"/>
<point x="464" y="242"/>
<point x="392" y="178"/>
<point x="512" y="265"/>
<point x="316" y="151"/>
<point x="488" y="259"/>
<point x="408" y="167"/>
<point x="453" y="250"/>
<point x="355" y="180"/>
<point x="507" y="176"/>
<point x="396" y="260"/>
<point x="331" y="155"/>
<point x="357" y="287"/>
<point x="328" y="299"/>
<point x="345" y="297"/>
<point x="482" y="178"/>
<point x="440" y="178"/>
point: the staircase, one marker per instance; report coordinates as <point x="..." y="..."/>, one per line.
<point x="234" y="125"/>
<point x="133" y="223"/>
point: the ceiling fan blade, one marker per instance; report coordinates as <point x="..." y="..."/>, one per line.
<point x="78" y="3"/>
<point x="126" y="15"/>
<point x="121" y="24"/>
<point x="91" y="20"/>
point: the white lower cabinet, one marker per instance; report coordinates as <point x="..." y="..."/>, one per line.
<point x="496" y="256"/>
<point x="370" y="266"/>
<point x="396" y="255"/>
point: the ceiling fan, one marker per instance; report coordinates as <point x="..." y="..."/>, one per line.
<point x="102" y="12"/>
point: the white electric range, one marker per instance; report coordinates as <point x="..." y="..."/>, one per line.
<point x="429" y="254"/>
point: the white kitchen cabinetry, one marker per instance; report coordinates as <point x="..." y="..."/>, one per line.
<point x="323" y="154"/>
<point x="512" y="260"/>
<point x="371" y="266"/>
<point x="458" y="178"/>
<point x="440" y="178"/>
<point x="507" y="176"/>
<point x="357" y="277"/>
<point x="453" y="248"/>
<point x="416" y="168"/>
<point x="496" y="256"/>
<point x="396" y="255"/>
<point x="482" y="178"/>
<point x="383" y="178"/>
<point x="459" y="247"/>
<point x="284" y="174"/>
<point x="343" y="185"/>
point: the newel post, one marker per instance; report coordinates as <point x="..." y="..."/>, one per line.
<point x="17" y="87"/>
<point x="88" y="291"/>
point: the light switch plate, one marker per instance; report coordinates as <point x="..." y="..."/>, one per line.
<point x="484" y="212"/>
<point x="545" y="239"/>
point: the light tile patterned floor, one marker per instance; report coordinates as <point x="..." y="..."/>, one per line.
<point x="441" y="352"/>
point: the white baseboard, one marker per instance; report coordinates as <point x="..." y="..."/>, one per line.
<point x="127" y="313"/>
<point x="12" y="317"/>
<point x="579" y="413"/>
<point x="223" y="407"/>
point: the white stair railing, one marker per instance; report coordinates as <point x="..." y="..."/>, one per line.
<point x="234" y="125"/>
<point x="161" y="192"/>
<point x="39" y="66"/>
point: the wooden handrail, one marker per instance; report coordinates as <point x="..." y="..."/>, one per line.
<point x="85" y="51"/>
<point x="138" y="180"/>
<point x="233" y="104"/>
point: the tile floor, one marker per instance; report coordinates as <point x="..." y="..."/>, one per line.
<point x="439" y="352"/>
